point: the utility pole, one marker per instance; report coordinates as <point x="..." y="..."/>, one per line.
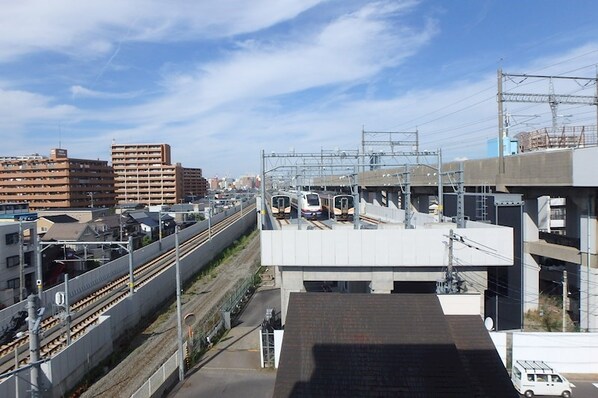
<point x="461" y="198"/>
<point x="179" y="308"/>
<point x="131" y="276"/>
<point x="299" y="205"/>
<point x="452" y="283"/>
<point x="408" y="211"/>
<point x="501" y="156"/>
<point x="564" y="301"/>
<point x="34" y="357"/>
<point x="356" y="204"/>
<point x="67" y="307"/>
<point x="160" y="228"/>
<point x="120" y="225"/>
<point x="22" y="290"/>
<point x="263" y="191"/>
<point x="450" y="257"/>
<point x="440" y="187"/>
<point x="38" y="264"/>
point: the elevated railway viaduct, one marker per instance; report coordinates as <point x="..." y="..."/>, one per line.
<point x="570" y="174"/>
<point x="512" y="194"/>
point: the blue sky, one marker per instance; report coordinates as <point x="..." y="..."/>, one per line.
<point x="219" y="81"/>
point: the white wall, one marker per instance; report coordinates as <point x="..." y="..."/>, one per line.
<point x="566" y="352"/>
<point x="383" y="248"/>
<point x="584" y="174"/>
<point x="461" y="304"/>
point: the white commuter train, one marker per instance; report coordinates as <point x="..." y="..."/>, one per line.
<point x="307" y="202"/>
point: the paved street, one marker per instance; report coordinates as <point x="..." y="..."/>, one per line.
<point x="232" y="367"/>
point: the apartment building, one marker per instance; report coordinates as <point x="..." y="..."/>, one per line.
<point x="144" y="174"/>
<point x="194" y="185"/>
<point x="56" y="181"/>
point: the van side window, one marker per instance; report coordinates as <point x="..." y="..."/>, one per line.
<point x="530" y="377"/>
<point x="556" y="379"/>
<point x="542" y="378"/>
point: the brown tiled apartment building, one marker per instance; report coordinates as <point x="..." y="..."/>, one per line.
<point x="144" y="174"/>
<point x="194" y="185"/>
<point x="56" y="181"/>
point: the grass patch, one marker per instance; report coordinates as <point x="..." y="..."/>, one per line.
<point x="548" y="317"/>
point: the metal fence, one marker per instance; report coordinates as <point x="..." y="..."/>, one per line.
<point x="156" y="384"/>
<point x="200" y="337"/>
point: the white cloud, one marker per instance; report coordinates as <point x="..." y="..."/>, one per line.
<point x="92" y="27"/>
<point x="20" y="108"/>
<point x="82" y="92"/>
<point x="349" y="50"/>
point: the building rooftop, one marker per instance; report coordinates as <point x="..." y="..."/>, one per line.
<point x="369" y="345"/>
<point x="60" y="218"/>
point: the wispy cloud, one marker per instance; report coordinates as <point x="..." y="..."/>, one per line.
<point x="348" y="50"/>
<point x="91" y="28"/>
<point x="21" y="108"/>
<point x="82" y="92"/>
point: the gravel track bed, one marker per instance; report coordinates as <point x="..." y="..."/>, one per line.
<point x="158" y="341"/>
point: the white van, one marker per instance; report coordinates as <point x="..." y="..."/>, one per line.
<point x="537" y="378"/>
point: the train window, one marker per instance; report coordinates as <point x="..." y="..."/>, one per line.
<point x="313" y="199"/>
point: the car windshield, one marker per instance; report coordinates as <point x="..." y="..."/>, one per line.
<point x="517" y="373"/>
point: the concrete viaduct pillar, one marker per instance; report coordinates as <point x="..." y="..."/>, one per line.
<point x="378" y="198"/>
<point x="393" y="198"/>
<point x="531" y="269"/>
<point x="588" y="272"/>
<point x="382" y="281"/>
<point x="292" y="281"/>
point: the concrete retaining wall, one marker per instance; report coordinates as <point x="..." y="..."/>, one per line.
<point x="87" y="283"/>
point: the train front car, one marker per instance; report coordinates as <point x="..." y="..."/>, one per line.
<point x="338" y="206"/>
<point x="342" y="207"/>
<point x="311" y="206"/>
<point x="281" y="206"/>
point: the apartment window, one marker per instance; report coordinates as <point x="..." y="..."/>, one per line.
<point x="12" y="238"/>
<point x="27" y="259"/>
<point x="12" y="261"/>
<point x="13" y="283"/>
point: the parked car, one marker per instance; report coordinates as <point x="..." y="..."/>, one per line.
<point x="538" y="378"/>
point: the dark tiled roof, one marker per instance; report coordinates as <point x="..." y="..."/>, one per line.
<point x="61" y="218"/>
<point x="371" y="345"/>
<point x="146" y="218"/>
<point x="478" y="355"/>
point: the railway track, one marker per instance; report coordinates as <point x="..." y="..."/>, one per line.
<point x="370" y="220"/>
<point x="283" y="221"/>
<point x="86" y="311"/>
<point x="319" y="225"/>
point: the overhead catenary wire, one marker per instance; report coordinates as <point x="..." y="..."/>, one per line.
<point x="435" y="117"/>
